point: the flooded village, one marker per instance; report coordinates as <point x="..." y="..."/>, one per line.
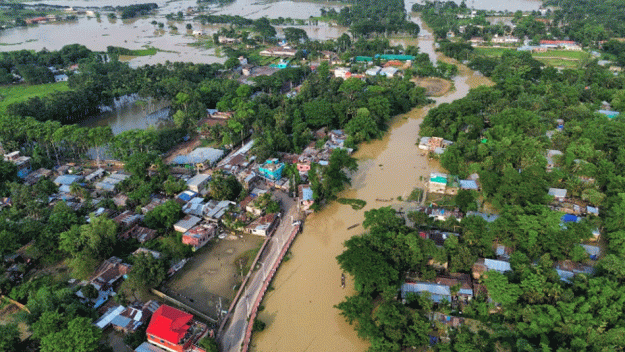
<point x="269" y="255"/>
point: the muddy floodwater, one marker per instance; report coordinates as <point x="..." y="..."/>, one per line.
<point x="300" y="313"/>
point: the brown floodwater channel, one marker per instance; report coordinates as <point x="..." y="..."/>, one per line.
<point x="299" y="312"/>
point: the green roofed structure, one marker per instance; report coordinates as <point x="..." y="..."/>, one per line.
<point x="438" y="183"/>
<point x="364" y="59"/>
<point x="395" y="57"/>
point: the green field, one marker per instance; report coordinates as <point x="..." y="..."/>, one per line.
<point x="559" y="62"/>
<point x="565" y="54"/>
<point x="560" y="58"/>
<point x="492" y="52"/>
<point x="19" y="92"/>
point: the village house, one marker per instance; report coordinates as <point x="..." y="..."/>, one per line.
<point x="263" y="226"/>
<point x="247" y="178"/>
<point x="195" y="206"/>
<point x="306" y="199"/>
<point x="469" y="185"/>
<point x="342" y="72"/>
<point x="227" y="40"/>
<point x="139" y="233"/>
<point x="436" y="145"/>
<point x="215" y="210"/>
<point x="279" y="52"/>
<point x="127" y="319"/>
<point x="508" y="39"/>
<point x="199" y="183"/>
<point x="127" y="219"/>
<point x="175" y="330"/>
<point x="184" y="197"/>
<point x="199" y="156"/>
<point x="558" y="193"/>
<point x="568" y="269"/>
<point x="22" y="163"/>
<point x="155" y="202"/>
<point x="106" y="277"/>
<point x="186" y="223"/>
<point x="484" y="264"/>
<point x="249" y="204"/>
<point x="95" y="175"/>
<point x="442" y="214"/>
<point x="199" y="235"/>
<point x="594" y="251"/>
<point x="437" y="183"/>
<point x="272" y="169"/>
<point x="389" y="72"/>
<point x="109" y="183"/>
<point x="36" y="175"/>
<point x="553" y="156"/>
<point x="64" y="182"/>
<point x="560" y="44"/>
<point x="141" y="250"/>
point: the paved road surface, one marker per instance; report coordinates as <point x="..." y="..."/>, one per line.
<point x="232" y="336"/>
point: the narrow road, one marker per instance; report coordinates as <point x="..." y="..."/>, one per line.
<point x="233" y="333"/>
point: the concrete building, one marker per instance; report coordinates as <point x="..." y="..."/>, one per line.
<point x="437" y="182"/>
<point x="175" y="330"/>
<point x="198" y="183"/>
<point x="272" y="169"/>
<point x="199" y="236"/>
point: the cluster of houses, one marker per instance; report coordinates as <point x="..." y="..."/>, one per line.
<point x="460" y="288"/>
<point x="449" y="184"/>
<point x="168" y="329"/>
<point x="392" y="66"/>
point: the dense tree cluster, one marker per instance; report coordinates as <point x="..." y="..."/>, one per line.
<point x="368" y="17"/>
<point x="589" y="21"/>
<point x="135" y="10"/>
<point x="33" y="67"/>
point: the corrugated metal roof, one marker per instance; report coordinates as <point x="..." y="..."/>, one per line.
<point x="468" y="184"/>
<point x="498" y="265"/>
<point x="197" y="180"/>
<point x="199" y="155"/>
<point x="437" y="291"/>
<point x="109" y="316"/>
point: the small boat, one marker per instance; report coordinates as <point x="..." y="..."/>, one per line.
<point x="383" y="200"/>
<point x="351" y="227"/>
<point x="343" y="280"/>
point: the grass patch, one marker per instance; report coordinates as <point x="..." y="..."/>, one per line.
<point x="10" y="94"/>
<point x="567" y="54"/>
<point x="559" y="62"/>
<point x="356" y="204"/>
<point x="415" y="195"/>
<point x="246" y="258"/>
<point x="492" y="52"/>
